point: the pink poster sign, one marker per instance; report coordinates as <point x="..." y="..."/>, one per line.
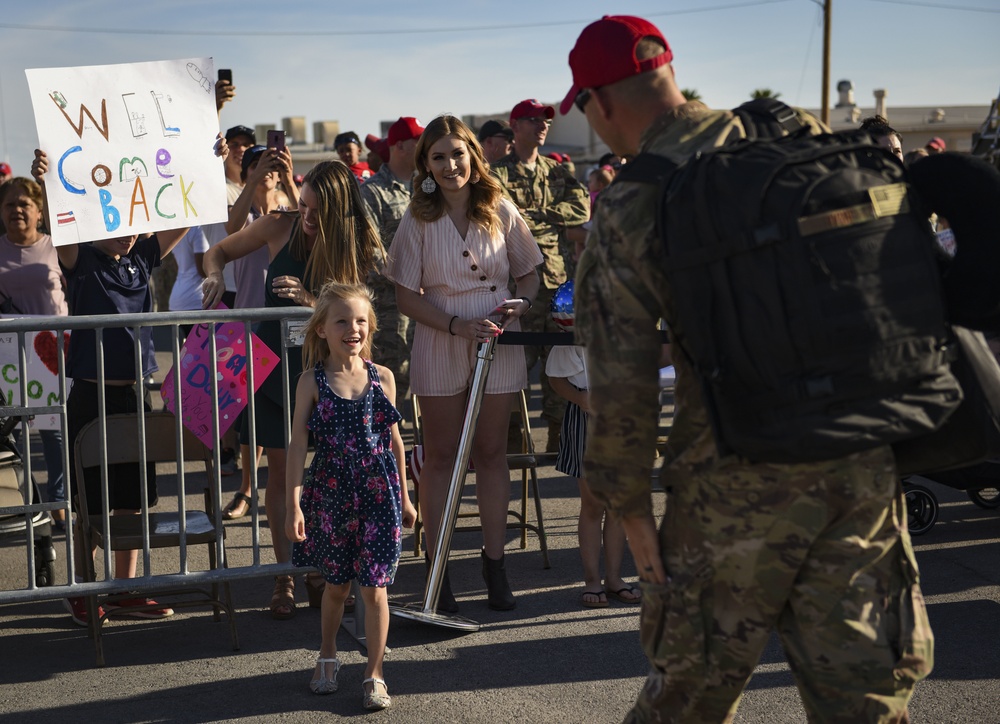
<point x="196" y="381"/>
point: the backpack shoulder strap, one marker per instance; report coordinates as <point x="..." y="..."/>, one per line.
<point x="768" y="118"/>
<point x="646" y="168"/>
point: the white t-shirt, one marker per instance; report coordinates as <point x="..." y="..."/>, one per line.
<point x="215" y="233"/>
<point x="186" y="294"/>
<point x="568" y="361"/>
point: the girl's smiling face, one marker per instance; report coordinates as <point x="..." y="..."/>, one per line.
<point x="345" y="328"/>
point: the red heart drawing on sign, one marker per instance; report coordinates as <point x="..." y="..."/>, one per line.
<point x="47" y="349"/>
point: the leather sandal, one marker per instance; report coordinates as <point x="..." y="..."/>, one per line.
<point x="283" y="598"/>
<point x="373" y="700"/>
<point x="315" y="585"/>
<point x="325" y="684"/>
<point x="238" y="507"/>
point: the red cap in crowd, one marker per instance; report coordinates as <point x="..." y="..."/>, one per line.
<point x="378" y="145"/>
<point x="937" y="143"/>
<point x="557" y="157"/>
<point x="404" y="129"/>
<point x="605" y="53"/>
<point x="5" y="169"/>
<point x="531" y="109"/>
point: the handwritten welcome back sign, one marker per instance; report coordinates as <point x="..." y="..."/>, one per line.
<point x="130" y="148"/>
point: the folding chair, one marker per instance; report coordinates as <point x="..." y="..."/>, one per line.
<point x="125" y="532"/>
<point x="526" y="461"/>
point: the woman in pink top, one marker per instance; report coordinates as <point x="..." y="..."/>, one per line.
<point x="31" y="283"/>
<point x="455" y="249"/>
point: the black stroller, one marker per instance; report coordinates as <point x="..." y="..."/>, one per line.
<point x="12" y="495"/>
<point x="980" y="482"/>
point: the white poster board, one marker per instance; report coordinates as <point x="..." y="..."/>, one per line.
<point x="130" y="148"/>
<point x="42" y="353"/>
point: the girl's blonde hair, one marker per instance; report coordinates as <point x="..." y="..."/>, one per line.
<point x="485" y="193"/>
<point x="347" y="247"/>
<point x="315" y="348"/>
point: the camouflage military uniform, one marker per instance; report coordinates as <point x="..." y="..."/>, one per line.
<point x="549" y="198"/>
<point x="387" y="198"/>
<point x="817" y="551"/>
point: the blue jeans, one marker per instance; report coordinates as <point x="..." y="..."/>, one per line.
<point x="52" y="452"/>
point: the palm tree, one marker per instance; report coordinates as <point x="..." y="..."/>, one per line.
<point x="690" y="94"/>
<point x="764" y="93"/>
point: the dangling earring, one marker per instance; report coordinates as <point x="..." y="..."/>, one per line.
<point x="428" y="185"/>
<point x="475" y="178"/>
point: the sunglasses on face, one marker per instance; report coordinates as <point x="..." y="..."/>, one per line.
<point x="581" y="100"/>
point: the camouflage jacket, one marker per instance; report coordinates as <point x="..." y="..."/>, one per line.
<point x="387" y="199"/>
<point x="621" y="293"/>
<point x="550" y="199"/>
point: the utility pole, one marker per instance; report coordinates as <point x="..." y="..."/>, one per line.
<point x="825" y="106"/>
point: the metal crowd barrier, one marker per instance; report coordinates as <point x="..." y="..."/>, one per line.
<point x="292" y="320"/>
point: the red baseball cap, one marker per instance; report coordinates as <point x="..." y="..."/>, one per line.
<point x="531" y="108"/>
<point x="404" y="129"/>
<point x="937" y="143"/>
<point x="5" y="169"/>
<point x="378" y="145"/>
<point x="605" y="54"/>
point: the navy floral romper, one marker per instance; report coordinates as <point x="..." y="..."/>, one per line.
<point x="351" y="492"/>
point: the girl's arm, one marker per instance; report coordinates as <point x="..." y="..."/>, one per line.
<point x="306" y="394"/>
<point x="562" y="387"/>
<point x="389" y="387"/>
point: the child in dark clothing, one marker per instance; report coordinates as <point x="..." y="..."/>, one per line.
<point x="111" y="276"/>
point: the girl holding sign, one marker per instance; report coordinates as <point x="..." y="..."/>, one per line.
<point x="111" y="276"/>
<point x="329" y="238"/>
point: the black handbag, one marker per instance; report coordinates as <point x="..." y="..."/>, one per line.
<point x="972" y="433"/>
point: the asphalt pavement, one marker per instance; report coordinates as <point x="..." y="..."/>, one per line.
<point x="549" y="660"/>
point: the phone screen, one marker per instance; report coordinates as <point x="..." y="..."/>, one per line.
<point x="226" y="74"/>
<point x="276" y="140"/>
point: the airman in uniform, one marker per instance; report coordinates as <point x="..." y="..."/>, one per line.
<point x="551" y="200"/>
<point x="817" y="551"/>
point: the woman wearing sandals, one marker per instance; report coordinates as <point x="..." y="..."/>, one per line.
<point x="567" y="371"/>
<point x="329" y="238"/>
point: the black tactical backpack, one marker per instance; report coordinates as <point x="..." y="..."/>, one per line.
<point x="806" y="291"/>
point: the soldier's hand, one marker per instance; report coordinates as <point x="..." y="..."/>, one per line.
<point x="644" y="542"/>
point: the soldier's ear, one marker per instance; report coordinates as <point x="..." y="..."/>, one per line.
<point x="604" y="102"/>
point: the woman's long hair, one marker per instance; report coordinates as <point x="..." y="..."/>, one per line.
<point x="484" y="194"/>
<point x="347" y="247"/>
<point x="315" y="348"/>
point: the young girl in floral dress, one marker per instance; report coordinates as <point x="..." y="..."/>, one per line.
<point x="346" y="517"/>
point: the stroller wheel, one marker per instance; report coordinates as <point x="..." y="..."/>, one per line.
<point x="921" y="508"/>
<point x="45" y="575"/>
<point x="988" y="498"/>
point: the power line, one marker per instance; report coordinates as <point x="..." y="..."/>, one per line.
<point x="939" y="6"/>
<point x="330" y="33"/>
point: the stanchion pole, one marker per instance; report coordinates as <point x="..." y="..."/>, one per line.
<point x="427" y="611"/>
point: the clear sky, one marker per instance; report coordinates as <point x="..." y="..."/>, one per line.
<point x="364" y="61"/>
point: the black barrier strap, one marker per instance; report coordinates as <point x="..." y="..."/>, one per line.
<point x="546" y="339"/>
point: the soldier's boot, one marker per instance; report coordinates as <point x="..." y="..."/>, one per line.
<point x="499" y="596"/>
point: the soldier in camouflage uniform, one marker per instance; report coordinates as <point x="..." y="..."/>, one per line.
<point x="818" y="552"/>
<point x="551" y="200"/>
<point x="387" y="194"/>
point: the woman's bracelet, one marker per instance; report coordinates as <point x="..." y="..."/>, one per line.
<point x="451" y="323"/>
<point x="527" y="301"/>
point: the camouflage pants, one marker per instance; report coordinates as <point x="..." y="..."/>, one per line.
<point x="391" y="348"/>
<point x="818" y="552"/>
<point x="539" y="319"/>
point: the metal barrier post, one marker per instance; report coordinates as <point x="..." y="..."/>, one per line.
<point x="427" y="613"/>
